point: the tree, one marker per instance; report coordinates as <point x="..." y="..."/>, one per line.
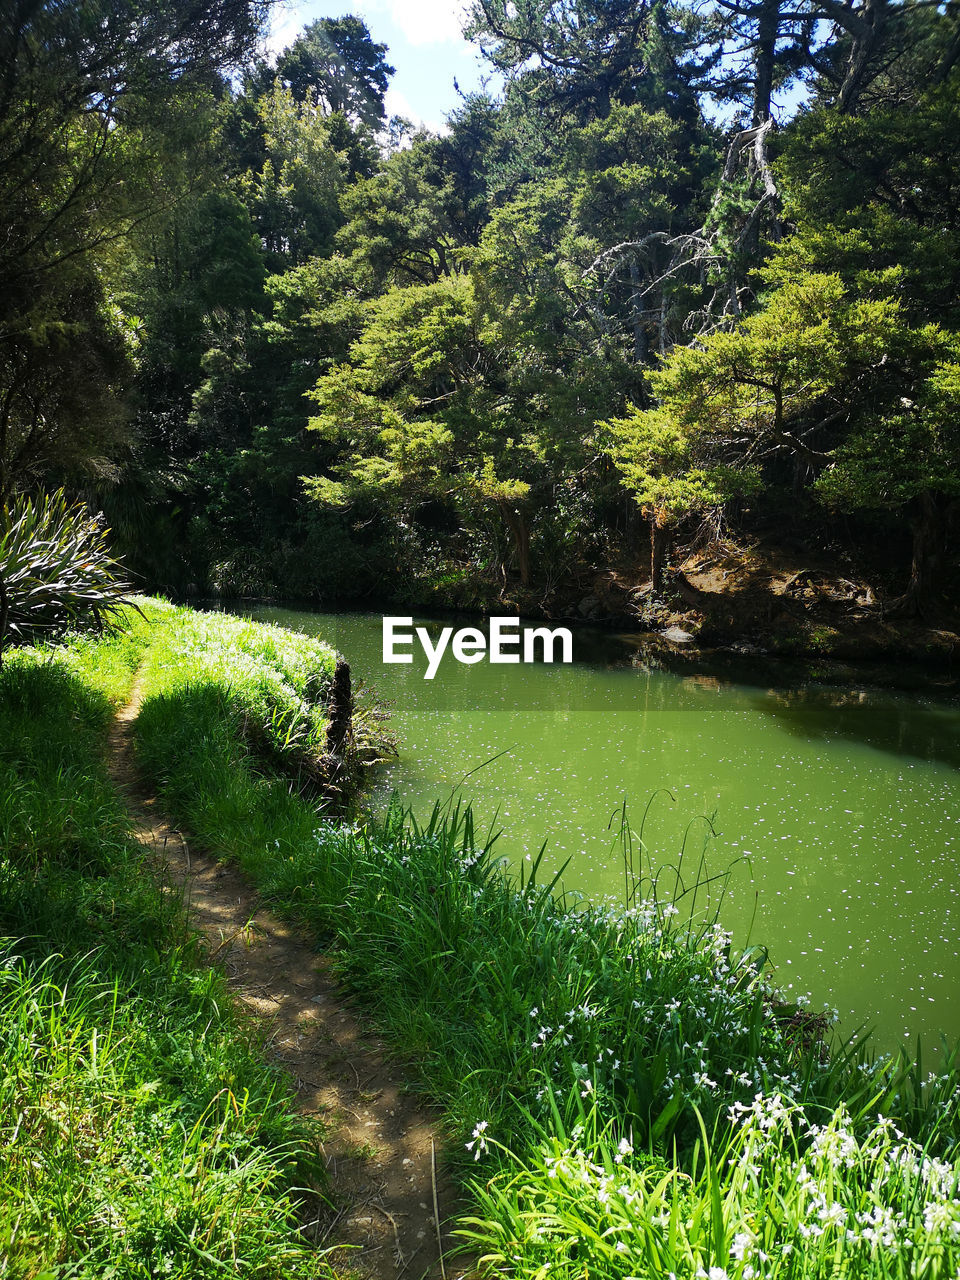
<point x="63" y="369"/>
<point x="86" y="91"/>
<point x="418" y="419"/>
<point x="335" y="65"/>
<point x="844" y="384"/>
<point x="575" y="59"/>
<point x="403" y="225"/>
<point x="294" y="197"/>
<point x="881" y="191"/>
<point x="841" y="50"/>
<point x="76" y="80"/>
<point x="670" y="475"/>
<point x="909" y="461"/>
<point x="758" y="46"/>
<point x="637" y="180"/>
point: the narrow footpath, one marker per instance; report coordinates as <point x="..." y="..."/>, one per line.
<point x="381" y="1148"/>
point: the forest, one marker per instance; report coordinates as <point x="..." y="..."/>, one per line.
<point x="691" y="272"/>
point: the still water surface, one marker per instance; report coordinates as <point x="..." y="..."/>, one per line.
<point x="846" y="803"/>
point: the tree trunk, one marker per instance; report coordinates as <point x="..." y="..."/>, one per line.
<point x="928" y="541"/>
<point x="659" y="546"/>
<point x="4" y="615"/>
<point x="639" y="335"/>
<point x="339" y="708"/>
<point x="862" y="46"/>
<point x="523" y="548"/>
<point x="516" y="521"/>
<point x="768" y="24"/>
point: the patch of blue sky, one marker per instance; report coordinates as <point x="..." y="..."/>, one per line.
<point x="426" y="46"/>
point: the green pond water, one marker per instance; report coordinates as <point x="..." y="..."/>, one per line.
<point x="846" y="802"/>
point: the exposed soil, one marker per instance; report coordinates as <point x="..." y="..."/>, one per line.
<point x="761" y="599"/>
<point x="379" y="1143"/>
<point x="794" y="605"/>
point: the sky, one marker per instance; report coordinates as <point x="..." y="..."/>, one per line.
<point x="425" y="43"/>
<point x="426" y="46"/>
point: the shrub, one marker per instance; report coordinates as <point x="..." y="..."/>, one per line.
<point x="55" y="569"/>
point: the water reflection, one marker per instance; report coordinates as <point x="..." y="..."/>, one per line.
<point x="905" y="727"/>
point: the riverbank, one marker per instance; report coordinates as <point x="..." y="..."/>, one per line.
<point x="760" y="601"/>
<point x="574" y="1047"/>
<point x="585" y="1058"/>
<point x="742" y="607"/>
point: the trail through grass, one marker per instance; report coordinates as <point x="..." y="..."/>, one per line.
<point x="142" y="1133"/>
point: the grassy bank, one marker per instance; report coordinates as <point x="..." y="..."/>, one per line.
<point x="274" y="688"/>
<point x="142" y="1134"/>
<point x="627" y="1095"/>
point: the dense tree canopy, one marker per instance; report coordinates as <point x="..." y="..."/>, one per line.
<point x="689" y="253"/>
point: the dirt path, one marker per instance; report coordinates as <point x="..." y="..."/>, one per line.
<point x="379" y="1145"/>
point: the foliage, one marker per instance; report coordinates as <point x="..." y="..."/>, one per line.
<point x="55" y="569"/>
<point x="293" y="197"/>
<point x="417" y="416"/>
<point x="809" y="357"/>
<point x="90" y="92"/>
<point x="893" y="459"/>
<point x="772" y="1195"/>
<point x="674" y="208"/>
<point x="657" y="461"/>
<point x="575" y="59"/>
<point x="877" y="192"/>
<point x="844" y="384"/>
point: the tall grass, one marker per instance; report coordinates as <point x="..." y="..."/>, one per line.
<point x="522" y="1013"/>
<point x="141" y="1133"/>
<point x="768" y="1194"/>
<point x="274" y="682"/>
<point x="141" y="1137"/>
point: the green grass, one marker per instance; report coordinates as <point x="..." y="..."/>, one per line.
<point x="769" y="1195"/>
<point x="542" y="1026"/>
<point x="141" y="1133"/>
<point x="275" y="683"/>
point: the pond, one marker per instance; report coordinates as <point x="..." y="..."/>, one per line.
<point x="837" y="811"/>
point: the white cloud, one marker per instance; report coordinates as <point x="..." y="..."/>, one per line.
<point x="286" y="22"/>
<point x="398" y="104"/>
<point x="422" y="22"/>
<point x="425" y="21"/>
